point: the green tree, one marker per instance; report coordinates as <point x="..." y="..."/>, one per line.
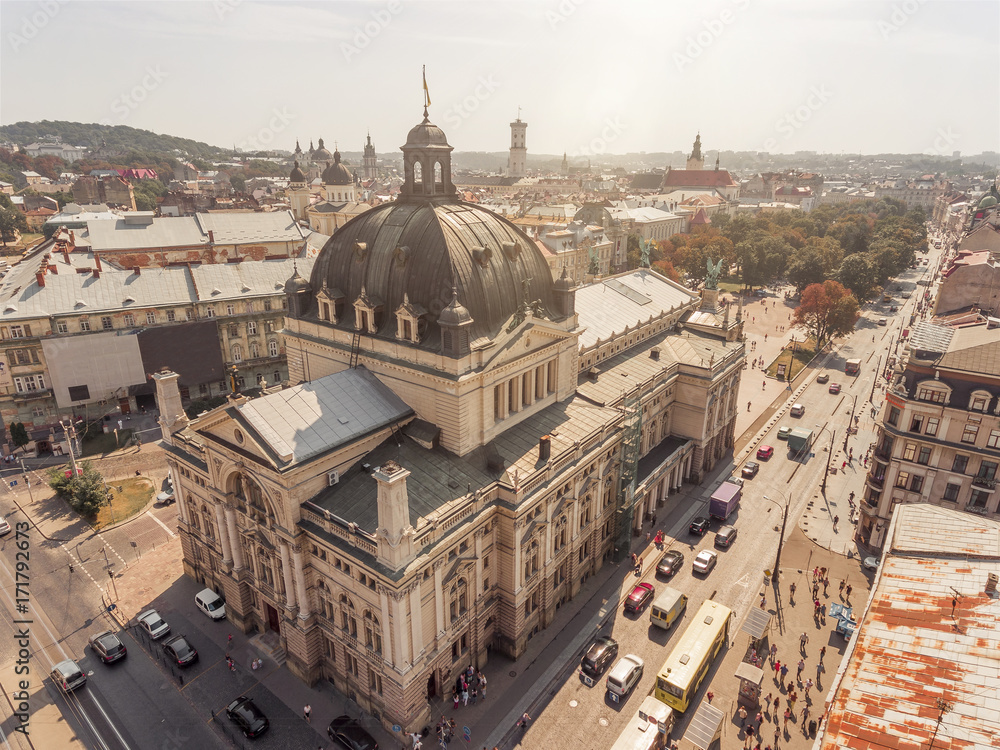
<point x="826" y="310"/>
<point x="238" y="183"/>
<point x="18" y="434"/>
<point x="84" y="492"/>
<point x="762" y="258"/>
<point x="806" y="268"/>
<point x="858" y="275"/>
<point x="12" y="220"/>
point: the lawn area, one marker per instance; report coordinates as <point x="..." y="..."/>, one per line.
<point x="793" y="362"/>
<point x="135" y="493"/>
<point x="105" y="442"/>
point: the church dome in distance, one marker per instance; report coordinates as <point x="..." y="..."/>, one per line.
<point x="988" y="201"/>
<point x="337" y="173"/>
<point x="322" y="153"/>
<point x="296" y="174"/>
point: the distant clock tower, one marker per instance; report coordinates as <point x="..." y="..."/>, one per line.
<point x="518" y="148"/>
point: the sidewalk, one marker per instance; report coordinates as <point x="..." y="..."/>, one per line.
<point x="791" y="618"/>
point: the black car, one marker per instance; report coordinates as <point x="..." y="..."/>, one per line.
<point x="107" y="646"/>
<point x="182" y="652"/>
<point x="599" y="656"/>
<point x="670" y="563"/>
<point x="699" y="525"/>
<point x="245" y="714"/>
<point x="348" y="734"/>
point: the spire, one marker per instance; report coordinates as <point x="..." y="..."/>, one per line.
<point x="717" y="162"/>
<point x="427" y="94"/>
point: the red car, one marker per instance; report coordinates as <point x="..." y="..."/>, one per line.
<point x="765" y="452"/>
<point x="834" y="387"/>
<point x="641" y="595"/>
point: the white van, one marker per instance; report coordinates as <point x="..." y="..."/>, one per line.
<point x="667" y="608"/>
<point x="624" y="676"/>
<point x="68" y="675"/>
<point x="798" y="410"/>
<point x="210" y="603"/>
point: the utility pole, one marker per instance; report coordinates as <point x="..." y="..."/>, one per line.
<point x="878" y="369"/>
<point x="850" y="421"/>
<point x="833" y="436"/>
<point x="70" y="432"/>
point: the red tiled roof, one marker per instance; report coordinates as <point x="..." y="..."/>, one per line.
<point x="700" y="217"/>
<point x="698" y="178"/>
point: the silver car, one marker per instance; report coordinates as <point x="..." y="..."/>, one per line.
<point x="153" y="624"/>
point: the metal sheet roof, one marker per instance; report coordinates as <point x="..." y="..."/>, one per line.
<point x="757" y="623"/>
<point x="926" y="656"/>
<point x="307" y="419"/>
<point x="704" y="727"/>
<point x="609" y="307"/>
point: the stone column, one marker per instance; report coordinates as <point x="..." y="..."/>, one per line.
<point x="416" y="620"/>
<point x="479" y="564"/>
<point x="387" y="641"/>
<point x="439" y="597"/>
<point x="220" y="521"/>
<point x="398" y="607"/>
<point x="182" y="509"/>
<point x="528" y="386"/>
<point x="286" y="574"/>
<point x="234" y="537"/>
<point x="518" y="572"/>
<point x="300" y="582"/>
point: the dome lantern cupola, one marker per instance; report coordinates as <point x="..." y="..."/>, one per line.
<point x="427" y="162"/>
<point x="299" y="293"/>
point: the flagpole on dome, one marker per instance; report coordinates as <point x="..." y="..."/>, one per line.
<point x="427" y="93"/>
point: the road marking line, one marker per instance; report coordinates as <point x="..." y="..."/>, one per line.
<point x="165" y="527"/>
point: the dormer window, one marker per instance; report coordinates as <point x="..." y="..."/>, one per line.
<point x="411" y="321"/>
<point x="979" y="400"/>
<point x="330" y="304"/>
<point x="367" y="312"/>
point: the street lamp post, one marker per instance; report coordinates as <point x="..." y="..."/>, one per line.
<point x="850" y="421"/>
<point x="833" y="436"/>
<point x="878" y="369"/>
<point x="781" y="539"/>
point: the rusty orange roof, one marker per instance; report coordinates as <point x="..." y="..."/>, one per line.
<point x="920" y="670"/>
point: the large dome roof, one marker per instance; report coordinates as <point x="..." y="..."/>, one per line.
<point x="322" y="153"/>
<point x="425" y="134"/>
<point x="337" y="173"/>
<point x="421" y="250"/>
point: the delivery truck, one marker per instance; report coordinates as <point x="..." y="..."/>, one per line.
<point x="724" y="500"/>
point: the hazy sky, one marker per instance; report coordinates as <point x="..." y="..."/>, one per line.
<point x="590" y="76"/>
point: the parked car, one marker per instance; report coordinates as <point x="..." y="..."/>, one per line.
<point x="750" y="469"/>
<point x="4" y="526"/>
<point x="783" y="432"/>
<point x="705" y="561"/>
<point x="834" y="387"/>
<point x="641" y="595"/>
<point x="797" y="410"/>
<point x="210" y="603"/>
<point x="348" y="734"/>
<point x="107" y="646"/>
<point x="251" y="720"/>
<point x="178" y="649"/>
<point x="725" y="536"/>
<point x="68" y="675"/>
<point x="599" y="656"/>
<point x="871" y="563"/>
<point x="699" y="525"/>
<point x="153" y="624"/>
<point x="736" y="480"/>
<point x="905" y="295"/>
<point x="625" y="675"/>
<point x="822" y="377"/>
<point x="882" y="321"/>
<point x="670" y="563"/>
<point x="765" y="452"/>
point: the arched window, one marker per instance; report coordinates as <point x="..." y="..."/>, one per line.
<point x="237" y="353"/>
<point x="438" y="174"/>
<point x="348" y="616"/>
<point x="373" y="633"/>
<point x="272" y="347"/>
<point x="417" y="173"/>
<point x="254" y="350"/>
<point x="531" y="560"/>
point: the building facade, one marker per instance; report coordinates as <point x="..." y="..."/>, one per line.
<point x="939" y="437"/>
<point x="450" y="468"/>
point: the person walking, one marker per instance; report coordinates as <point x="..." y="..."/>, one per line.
<point x="307" y="713"/>
<point x="523" y="723"/>
<point x="842" y="584"/>
<point x="848" y="591"/>
<point x="791" y="591"/>
<point x="774" y="652"/>
<point x="809" y="684"/>
<point x="743" y="717"/>
<point x="777" y="670"/>
<point x="803" y="640"/>
<point x="822" y="653"/>
<point x="788" y="715"/>
<point x="798" y="672"/>
<point x="710" y="695"/>
<point x="767" y="702"/>
<point x="836" y="520"/>
<point x="482" y="684"/>
<point x="784" y="672"/>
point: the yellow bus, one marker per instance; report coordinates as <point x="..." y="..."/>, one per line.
<point x="687" y="665"/>
<point x="648" y="729"/>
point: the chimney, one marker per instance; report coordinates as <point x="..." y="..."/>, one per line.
<point x="991" y="583"/>
<point x="52" y="269"/>
<point x="654" y="353"/>
<point x="395" y="534"/>
<point x="136" y="270"/>
<point x="544" y="448"/>
<point x="97" y="260"/>
<point x="40" y="278"/>
<point x="65" y="252"/>
<point x="211" y="237"/>
<point x="97" y="273"/>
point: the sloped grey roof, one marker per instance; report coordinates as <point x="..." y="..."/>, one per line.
<point x="306" y="420"/>
<point x="227" y="281"/>
<point x="610" y="306"/>
<point x="240" y="228"/>
<point x="228" y="228"/>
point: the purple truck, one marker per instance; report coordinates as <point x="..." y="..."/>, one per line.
<point x="725" y="500"/>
